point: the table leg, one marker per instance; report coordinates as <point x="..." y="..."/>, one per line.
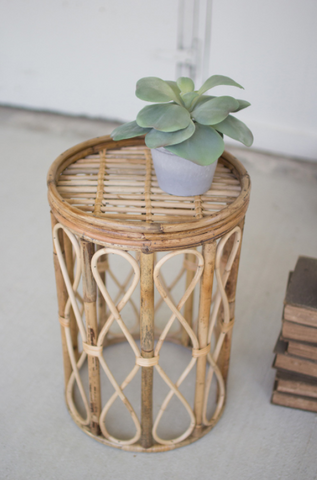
<point x="190" y="259"/>
<point x="209" y="254"/>
<point x="102" y="306"/>
<point x="90" y="297"/>
<point x="147" y="346"/>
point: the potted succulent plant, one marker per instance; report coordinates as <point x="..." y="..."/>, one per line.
<point x="185" y="129"/>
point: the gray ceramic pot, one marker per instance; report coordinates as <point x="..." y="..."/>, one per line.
<point x="179" y="176"/>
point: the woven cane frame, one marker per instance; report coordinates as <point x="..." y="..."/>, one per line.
<point x="106" y="193"/>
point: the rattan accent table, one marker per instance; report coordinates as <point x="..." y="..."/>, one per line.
<point x="105" y="202"/>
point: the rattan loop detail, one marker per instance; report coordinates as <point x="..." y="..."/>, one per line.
<point x="199" y="352"/>
<point x="220" y="298"/>
<point x="226" y="327"/>
<point x="64" y="321"/>
<point x="72" y="303"/>
<point x="176" y="314"/>
<point x="147" y="362"/>
<point x="92" y="350"/>
<point x="115" y="315"/>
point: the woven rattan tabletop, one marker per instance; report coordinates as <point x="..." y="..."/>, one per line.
<point x="103" y="186"/>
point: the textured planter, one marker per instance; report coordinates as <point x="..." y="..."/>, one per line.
<point x="179" y="176"/>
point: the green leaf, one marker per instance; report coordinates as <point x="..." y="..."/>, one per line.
<point x="176" y="90"/>
<point x="216" y="80"/>
<point x="166" y="118"/>
<point x="155" y="139"/>
<point x="215" y="110"/>
<point x="188" y="98"/>
<point x="242" y="104"/>
<point x="185" y="84"/>
<point x="128" y="130"/>
<point x="199" y="100"/>
<point x="153" y="89"/>
<point x="236" y="129"/>
<point x="204" y="147"/>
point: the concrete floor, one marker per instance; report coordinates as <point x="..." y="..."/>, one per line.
<point x="254" y="439"/>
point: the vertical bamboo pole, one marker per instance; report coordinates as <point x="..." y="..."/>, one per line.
<point x="62" y="297"/>
<point x="209" y="254"/>
<point x="188" y="307"/>
<point x="70" y="269"/>
<point x="102" y="306"/>
<point x="224" y="356"/>
<point x="147" y="346"/>
<point x="90" y="297"/>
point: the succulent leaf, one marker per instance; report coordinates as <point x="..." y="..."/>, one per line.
<point x="155" y="138"/>
<point x="199" y="100"/>
<point x="188" y="99"/>
<point x="165" y="118"/>
<point x="204" y="147"/>
<point x="185" y="84"/>
<point x="242" y="104"/>
<point x="216" y="80"/>
<point x="176" y="90"/>
<point x="214" y="110"/>
<point x="236" y="129"/>
<point x="154" y="89"/>
<point x="128" y="130"/>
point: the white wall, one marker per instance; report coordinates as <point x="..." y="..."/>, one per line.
<point x="270" y="48"/>
<point x="82" y="57"/>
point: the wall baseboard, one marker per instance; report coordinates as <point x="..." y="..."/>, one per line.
<point x="269" y="138"/>
<point x="284" y="141"/>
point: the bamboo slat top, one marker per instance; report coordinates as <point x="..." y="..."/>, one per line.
<point x="102" y="186"/>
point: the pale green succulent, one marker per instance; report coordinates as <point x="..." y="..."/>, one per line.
<point x="184" y="121"/>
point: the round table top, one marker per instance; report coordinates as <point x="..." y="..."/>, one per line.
<point x="107" y="192"/>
